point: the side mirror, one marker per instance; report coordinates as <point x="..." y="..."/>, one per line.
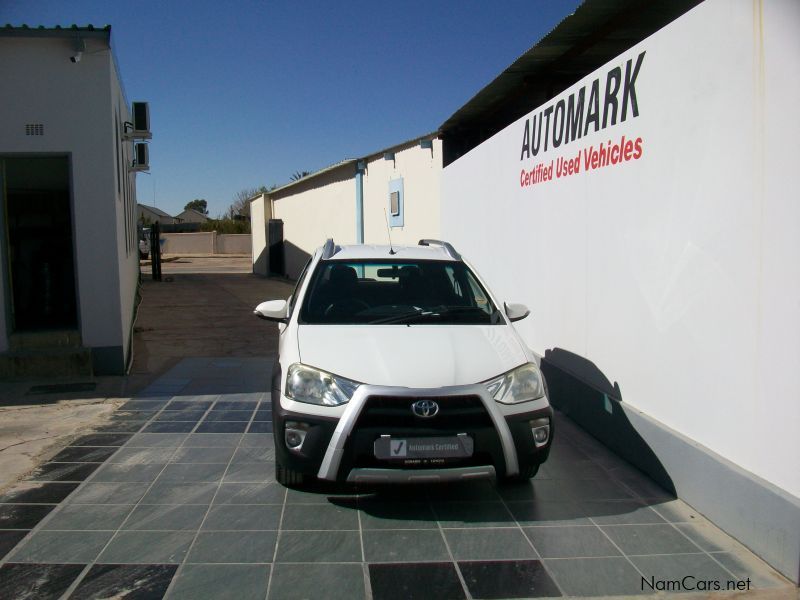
<point x="516" y="312"/>
<point x="272" y="310"/>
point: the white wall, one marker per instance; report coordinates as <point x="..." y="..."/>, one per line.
<point x="201" y="242"/>
<point x="420" y="169"/>
<point x="233" y="243"/>
<point x="325" y="205"/>
<point x="71" y="127"/>
<point x="75" y="103"/>
<point x="126" y="208"/>
<point x="321" y="208"/>
<point x="259" y="216"/>
<point x="676" y="273"/>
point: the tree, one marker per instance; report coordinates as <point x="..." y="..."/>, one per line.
<point x="241" y="200"/>
<point x="299" y="175"/>
<point x="198" y="204"/>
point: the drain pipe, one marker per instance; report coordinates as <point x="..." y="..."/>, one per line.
<point x="360" y="168"/>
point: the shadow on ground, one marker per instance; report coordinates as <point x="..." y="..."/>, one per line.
<point x="579" y="389"/>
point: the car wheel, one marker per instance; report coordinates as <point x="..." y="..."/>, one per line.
<point x="287" y="477"/>
<point x="525" y="474"/>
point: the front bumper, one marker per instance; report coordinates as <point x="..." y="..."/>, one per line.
<point x="341" y="449"/>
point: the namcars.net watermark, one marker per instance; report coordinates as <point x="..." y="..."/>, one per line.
<point x="690" y="583"/>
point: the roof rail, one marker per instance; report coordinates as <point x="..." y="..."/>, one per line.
<point x="329" y="249"/>
<point x="446" y="245"/>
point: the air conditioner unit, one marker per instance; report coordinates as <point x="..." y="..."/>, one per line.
<point x="140" y="128"/>
<point x="142" y="157"/>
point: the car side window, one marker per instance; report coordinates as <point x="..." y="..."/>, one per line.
<point x="298" y="286"/>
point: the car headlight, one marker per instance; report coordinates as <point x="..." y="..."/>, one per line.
<point x="313" y="386"/>
<point x="518" y="385"/>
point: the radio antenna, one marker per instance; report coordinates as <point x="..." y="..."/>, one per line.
<point x="388" y="232"/>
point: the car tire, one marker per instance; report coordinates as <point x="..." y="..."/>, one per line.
<point x="525" y="474"/>
<point x="287" y="477"/>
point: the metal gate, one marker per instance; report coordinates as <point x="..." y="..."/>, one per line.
<point x="277" y="263"/>
<point x="155" y="250"/>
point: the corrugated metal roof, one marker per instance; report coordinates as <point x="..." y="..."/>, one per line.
<point x="595" y="33"/>
<point x="24" y="30"/>
<point x="327" y="169"/>
<point x="401" y="145"/>
<point x="347" y="161"/>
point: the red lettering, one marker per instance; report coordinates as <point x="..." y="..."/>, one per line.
<point x="638" y="145"/>
<point x="628" y="150"/>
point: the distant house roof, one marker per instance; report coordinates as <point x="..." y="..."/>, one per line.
<point x="348" y="161"/>
<point x="154" y="210"/>
<point x="192" y="215"/>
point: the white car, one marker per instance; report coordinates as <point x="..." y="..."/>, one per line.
<point x="398" y="365"/>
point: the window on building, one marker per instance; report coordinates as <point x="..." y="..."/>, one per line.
<point x="395" y="200"/>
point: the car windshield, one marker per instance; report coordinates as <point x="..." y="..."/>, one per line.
<point x="397" y="293"/>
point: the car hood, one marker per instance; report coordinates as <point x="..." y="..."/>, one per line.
<point x="418" y="356"/>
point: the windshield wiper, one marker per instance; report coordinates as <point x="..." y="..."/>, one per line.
<point x="453" y="310"/>
<point x="419" y="312"/>
<point x="438" y="311"/>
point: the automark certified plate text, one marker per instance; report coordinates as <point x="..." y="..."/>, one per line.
<point x="424" y="447"/>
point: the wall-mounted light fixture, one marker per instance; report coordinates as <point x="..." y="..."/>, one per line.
<point x="78" y="48"/>
<point x="388" y="156"/>
<point x="426" y="144"/>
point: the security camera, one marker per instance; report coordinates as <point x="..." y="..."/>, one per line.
<point x="78" y="48"/>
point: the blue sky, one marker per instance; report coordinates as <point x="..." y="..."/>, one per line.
<point x="245" y="93"/>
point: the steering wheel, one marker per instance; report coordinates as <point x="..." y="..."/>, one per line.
<point x="350" y="305"/>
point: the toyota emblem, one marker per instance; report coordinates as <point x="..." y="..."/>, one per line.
<point x="425" y="408"/>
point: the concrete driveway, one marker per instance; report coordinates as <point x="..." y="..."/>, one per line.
<point x="175" y="496"/>
<point x="187" y="315"/>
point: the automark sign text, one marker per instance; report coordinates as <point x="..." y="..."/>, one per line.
<point x="570" y="118"/>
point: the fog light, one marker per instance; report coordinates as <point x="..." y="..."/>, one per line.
<point x="295" y="435"/>
<point x="540" y="428"/>
<point x="540" y="435"/>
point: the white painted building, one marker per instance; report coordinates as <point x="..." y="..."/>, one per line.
<point x="190" y="215"/>
<point x="68" y="246"/>
<point x="351" y="202"/>
<point x="646" y="210"/>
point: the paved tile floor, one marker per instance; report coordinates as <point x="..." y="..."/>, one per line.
<point x="177" y="497"/>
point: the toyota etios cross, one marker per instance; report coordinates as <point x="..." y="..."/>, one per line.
<point x="397" y="365"/>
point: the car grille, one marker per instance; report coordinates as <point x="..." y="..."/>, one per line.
<point x="455" y="412"/>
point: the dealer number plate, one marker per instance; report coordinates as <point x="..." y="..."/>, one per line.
<point x="456" y="446"/>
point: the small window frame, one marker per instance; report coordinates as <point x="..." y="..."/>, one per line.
<point x="396" y="213"/>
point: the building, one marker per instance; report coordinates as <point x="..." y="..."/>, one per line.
<point x="151" y="214"/>
<point x="648" y="160"/>
<point x="68" y="246"/>
<point x="351" y="201"/>
<point x="191" y="215"/>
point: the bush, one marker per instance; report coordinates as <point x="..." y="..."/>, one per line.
<point x="226" y="225"/>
